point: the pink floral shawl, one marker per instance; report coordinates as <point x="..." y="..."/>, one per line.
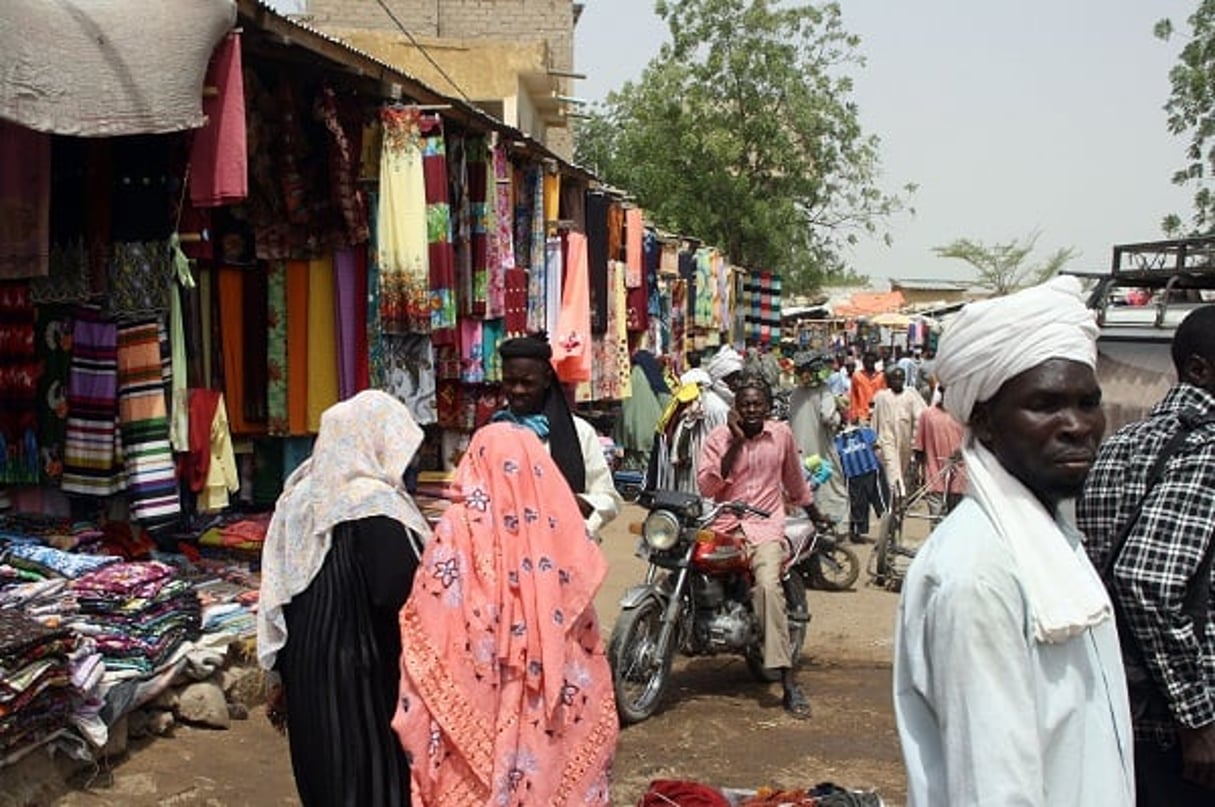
<point x="506" y="695"/>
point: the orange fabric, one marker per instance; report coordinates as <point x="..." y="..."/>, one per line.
<point x="572" y="344"/>
<point x="297" y="347"/>
<point x="505" y="689"/>
<point x="322" y="340"/>
<point x="231" y="284"/>
<point x="863" y="389"/>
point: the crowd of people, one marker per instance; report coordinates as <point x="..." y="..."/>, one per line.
<point x="1039" y="659"/>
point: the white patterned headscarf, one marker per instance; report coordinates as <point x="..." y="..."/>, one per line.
<point x="989" y="343"/>
<point x="356" y="470"/>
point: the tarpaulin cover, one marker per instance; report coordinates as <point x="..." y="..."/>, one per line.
<point x="104" y="68"/>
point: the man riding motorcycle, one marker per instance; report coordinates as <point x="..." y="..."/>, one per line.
<point x="754" y="459"/>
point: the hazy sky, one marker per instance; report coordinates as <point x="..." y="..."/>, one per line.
<point x="1011" y="115"/>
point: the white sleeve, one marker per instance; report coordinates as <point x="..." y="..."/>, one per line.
<point x="979" y="682"/>
<point x="600" y="487"/>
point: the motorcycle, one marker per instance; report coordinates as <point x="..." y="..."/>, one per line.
<point x="827" y="564"/>
<point x="696" y="599"/>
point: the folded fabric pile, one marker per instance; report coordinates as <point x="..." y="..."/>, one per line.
<point x="244" y="535"/>
<point x="137" y="613"/>
<point x="36" y="696"/>
<point x="43" y="562"/>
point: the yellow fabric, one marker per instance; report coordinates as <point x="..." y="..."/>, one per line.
<point x="552" y="201"/>
<point x="222" y="477"/>
<point x="622" y="334"/>
<point x="322" y="340"/>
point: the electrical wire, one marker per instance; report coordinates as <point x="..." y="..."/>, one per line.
<point x="422" y="50"/>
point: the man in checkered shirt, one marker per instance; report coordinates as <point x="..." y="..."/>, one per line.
<point x="1174" y="709"/>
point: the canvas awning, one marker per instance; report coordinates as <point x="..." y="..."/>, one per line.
<point x="867" y="304"/>
<point x="104" y="68"/>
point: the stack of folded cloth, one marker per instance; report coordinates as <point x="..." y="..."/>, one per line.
<point x="138" y="614"/>
<point x="36" y="694"/>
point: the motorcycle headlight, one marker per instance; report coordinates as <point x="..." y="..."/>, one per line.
<point x="661" y="530"/>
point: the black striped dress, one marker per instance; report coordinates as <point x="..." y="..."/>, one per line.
<point x="341" y="670"/>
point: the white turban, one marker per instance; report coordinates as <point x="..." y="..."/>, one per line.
<point x="727" y="362"/>
<point x="994" y="340"/>
<point x="986" y="345"/>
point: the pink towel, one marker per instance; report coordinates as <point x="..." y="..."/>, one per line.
<point x="218" y="157"/>
<point x="25" y="201"/>
<point x="572" y="342"/>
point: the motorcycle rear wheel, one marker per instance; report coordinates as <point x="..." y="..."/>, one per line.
<point x="835" y="570"/>
<point x="799" y="623"/>
<point x="639" y="677"/>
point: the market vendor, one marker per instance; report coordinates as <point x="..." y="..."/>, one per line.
<point x="536" y="400"/>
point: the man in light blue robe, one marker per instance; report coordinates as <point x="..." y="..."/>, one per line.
<point x="1008" y="679"/>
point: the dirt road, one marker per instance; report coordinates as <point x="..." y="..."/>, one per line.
<point x="718" y="727"/>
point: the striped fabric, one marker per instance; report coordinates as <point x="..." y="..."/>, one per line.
<point x="151" y="476"/>
<point x="90" y="459"/>
<point x="761" y="303"/>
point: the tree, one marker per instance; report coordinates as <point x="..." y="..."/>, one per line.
<point x="741" y="132"/>
<point x="1191" y="110"/>
<point x="1002" y="267"/>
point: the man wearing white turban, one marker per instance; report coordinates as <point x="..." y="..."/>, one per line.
<point x="701" y="404"/>
<point x="1008" y="680"/>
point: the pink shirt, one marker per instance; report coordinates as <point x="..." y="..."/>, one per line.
<point x="766" y="471"/>
<point x="939" y="436"/>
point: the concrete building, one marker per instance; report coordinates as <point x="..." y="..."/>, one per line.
<point x="512" y="58"/>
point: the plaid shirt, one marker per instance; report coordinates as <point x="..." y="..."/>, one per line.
<point x="1163" y="551"/>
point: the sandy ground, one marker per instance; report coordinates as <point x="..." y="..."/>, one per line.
<point x="718" y="726"/>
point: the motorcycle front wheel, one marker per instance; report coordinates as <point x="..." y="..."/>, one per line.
<point x="798" y="610"/>
<point x="639" y="675"/>
<point x="835" y="569"/>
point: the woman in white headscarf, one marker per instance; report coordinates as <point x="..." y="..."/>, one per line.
<point x="337" y="567"/>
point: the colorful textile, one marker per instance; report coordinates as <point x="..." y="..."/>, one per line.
<point x="276" y="342"/>
<point x="25" y="201"/>
<point x="256" y="348"/>
<point x="90" y="463"/>
<point x="140" y="278"/>
<point x="349" y="313"/>
<point x="53" y="342"/>
<point x="492" y="334"/>
<point x="477" y="171"/>
<point x="343" y="180"/>
<point x="441" y="254"/>
<point x="218" y="153"/>
<point x="144" y="420"/>
<point x="502" y="247"/>
<point x="410" y="375"/>
<point x="597" y="252"/>
<point x="20" y="369"/>
<point x="550" y="189"/>
<point x="64" y="564"/>
<point x="402" y="226"/>
<point x="554" y="283"/>
<point x="515" y="315"/>
<point x="374" y="333"/>
<point x="634" y="233"/>
<point x="472" y="362"/>
<point x="761" y="306"/>
<point x="572" y="357"/>
<point x="297" y="347"/>
<point x="230" y="283"/>
<point x="537" y="290"/>
<point x="504" y="684"/>
<point x="322" y="372"/>
<point x="356" y="471"/>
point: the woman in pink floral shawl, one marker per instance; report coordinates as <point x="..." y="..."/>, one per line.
<point x="506" y="695"/>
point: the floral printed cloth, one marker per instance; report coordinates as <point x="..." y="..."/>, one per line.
<point x="506" y="695"/>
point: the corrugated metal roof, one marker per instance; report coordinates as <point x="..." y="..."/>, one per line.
<point x="257" y="10"/>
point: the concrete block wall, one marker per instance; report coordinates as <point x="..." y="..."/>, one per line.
<point x="510" y="20"/>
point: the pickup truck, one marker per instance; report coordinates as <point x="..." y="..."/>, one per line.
<point x="1150" y="289"/>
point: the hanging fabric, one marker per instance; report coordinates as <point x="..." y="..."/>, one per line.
<point x="346" y="195"/>
<point x="218" y="153"/>
<point x="25" y="198"/>
<point x="401" y="225"/>
<point x="537" y="290"/>
<point x="277" y="421"/>
<point x="634" y="225"/>
<point x="92" y="463"/>
<point x="571" y="339"/>
<point x="504" y="258"/>
<point x="297" y="347"/>
<point x="554" y="275"/>
<point x="477" y="172"/>
<point x="597" y="206"/>
<point x="441" y="255"/>
<point x="151" y="477"/>
<point x="322" y="338"/>
<point x="349" y="314"/>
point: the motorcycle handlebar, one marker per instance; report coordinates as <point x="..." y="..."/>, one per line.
<point x="743" y="507"/>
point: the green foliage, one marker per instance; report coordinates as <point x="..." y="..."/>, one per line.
<point x="742" y="132"/>
<point x="1002" y="267"/>
<point x="1191" y="111"/>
